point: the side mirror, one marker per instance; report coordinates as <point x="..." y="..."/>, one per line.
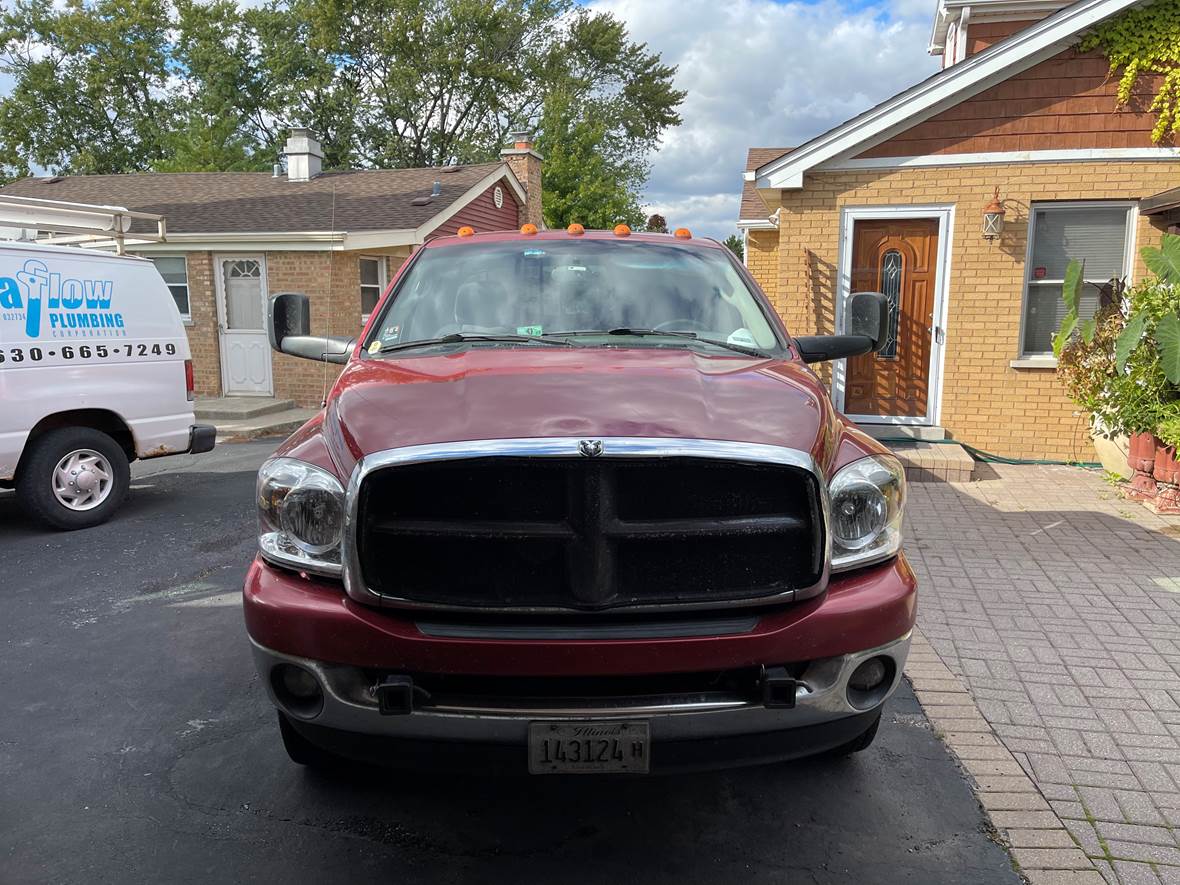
<point x="867" y="323"/>
<point x="290" y="317"/>
<point x="288" y="324"/>
<point x="868" y="315"/>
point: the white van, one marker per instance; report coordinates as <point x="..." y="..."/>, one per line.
<point x="94" y="373"/>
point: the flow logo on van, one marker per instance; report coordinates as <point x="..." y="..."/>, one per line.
<point x="59" y="308"/>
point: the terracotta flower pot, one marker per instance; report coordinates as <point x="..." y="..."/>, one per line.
<point x="1141" y="458"/>
<point x="1141" y="452"/>
<point x="1167" y="472"/>
<point x="1166" y="468"/>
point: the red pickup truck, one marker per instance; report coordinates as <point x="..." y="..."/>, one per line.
<point x="578" y="504"/>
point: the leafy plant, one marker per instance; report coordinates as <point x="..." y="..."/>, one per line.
<point x="1144" y="39"/>
<point x="1123" y="364"/>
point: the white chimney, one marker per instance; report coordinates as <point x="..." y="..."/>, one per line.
<point x="304" y="159"/>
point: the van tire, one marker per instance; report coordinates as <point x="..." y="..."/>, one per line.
<point x="34" y="480"/>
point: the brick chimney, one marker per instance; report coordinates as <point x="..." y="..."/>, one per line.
<point x="304" y="157"/>
<point x="963" y="28"/>
<point x="525" y="164"/>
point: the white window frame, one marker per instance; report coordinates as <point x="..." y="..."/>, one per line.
<point x="382" y="278"/>
<point x="186" y="317"/>
<point x="1025" y="360"/>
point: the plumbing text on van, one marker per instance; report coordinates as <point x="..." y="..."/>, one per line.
<point x="73" y="308"/>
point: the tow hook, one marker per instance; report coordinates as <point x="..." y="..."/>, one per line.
<point x="778" y="687"/>
<point x="395" y="695"/>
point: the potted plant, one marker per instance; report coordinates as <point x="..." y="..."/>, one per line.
<point x="1123" y="366"/>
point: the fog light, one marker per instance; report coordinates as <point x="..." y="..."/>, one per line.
<point x="297" y="690"/>
<point x="868" y="675"/>
<point x="299" y="682"/>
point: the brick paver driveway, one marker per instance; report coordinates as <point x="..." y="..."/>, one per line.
<point x="1058" y="605"/>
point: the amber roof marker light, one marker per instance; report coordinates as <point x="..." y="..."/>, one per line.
<point x="466" y="231"/>
<point x="683" y="233"/>
<point x="575" y="230"/>
<point x="528" y="229"/>
<point x="621" y="230"/>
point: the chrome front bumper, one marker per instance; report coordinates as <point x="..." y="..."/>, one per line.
<point x="350" y="705"/>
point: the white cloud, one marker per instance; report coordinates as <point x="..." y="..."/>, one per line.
<point x="761" y="73"/>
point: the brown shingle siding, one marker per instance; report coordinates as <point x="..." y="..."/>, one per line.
<point x="1066" y="102"/>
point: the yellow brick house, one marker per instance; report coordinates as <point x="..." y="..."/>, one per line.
<point x="894" y="200"/>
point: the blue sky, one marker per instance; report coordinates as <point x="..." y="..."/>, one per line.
<point x="765" y="73"/>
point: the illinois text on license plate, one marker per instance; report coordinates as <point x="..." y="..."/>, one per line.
<point x="589" y="747"/>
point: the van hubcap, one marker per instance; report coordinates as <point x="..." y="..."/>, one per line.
<point x="82" y="480"/>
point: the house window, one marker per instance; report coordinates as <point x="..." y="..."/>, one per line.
<point x="891" y="267"/>
<point x="1097" y="234"/>
<point x="372" y="284"/>
<point x="172" y="269"/>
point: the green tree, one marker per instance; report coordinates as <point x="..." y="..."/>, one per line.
<point x="91" y="91"/>
<point x="734" y="243"/>
<point x="657" y="224"/>
<point x="129" y="85"/>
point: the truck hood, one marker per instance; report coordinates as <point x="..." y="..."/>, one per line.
<point x="497" y="393"/>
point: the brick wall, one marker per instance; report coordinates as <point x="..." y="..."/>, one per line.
<point x="202" y="332"/>
<point x="986" y="402"/>
<point x="525" y="164"/>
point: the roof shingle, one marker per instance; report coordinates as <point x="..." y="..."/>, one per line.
<point x="254" y="202"/>
<point x="753" y="208"/>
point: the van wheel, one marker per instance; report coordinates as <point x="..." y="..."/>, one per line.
<point x="73" y="478"/>
<point x="301" y="750"/>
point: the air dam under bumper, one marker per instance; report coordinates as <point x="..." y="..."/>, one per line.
<point x="312" y="624"/>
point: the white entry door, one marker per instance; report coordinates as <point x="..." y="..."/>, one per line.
<point x="241" y="315"/>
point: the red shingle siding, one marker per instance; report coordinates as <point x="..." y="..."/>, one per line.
<point x="482" y="214"/>
<point x="981" y="35"/>
<point x="1063" y="103"/>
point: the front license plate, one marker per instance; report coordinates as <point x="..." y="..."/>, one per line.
<point x="589" y="747"/>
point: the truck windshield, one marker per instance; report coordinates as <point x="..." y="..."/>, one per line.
<point x="577" y="291"/>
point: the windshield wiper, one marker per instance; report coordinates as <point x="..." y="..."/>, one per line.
<point x="641" y="333"/>
<point x="461" y="337"/>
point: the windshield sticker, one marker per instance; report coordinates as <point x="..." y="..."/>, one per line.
<point x="375" y="345"/>
<point x="533" y="253"/>
<point x="391" y="333"/>
<point x="742" y="337"/>
<point x="534" y="331"/>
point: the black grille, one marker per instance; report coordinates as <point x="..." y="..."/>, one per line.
<point x="588" y="533"/>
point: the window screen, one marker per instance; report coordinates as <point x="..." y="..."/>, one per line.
<point x="175" y="274"/>
<point x="1095" y="235"/>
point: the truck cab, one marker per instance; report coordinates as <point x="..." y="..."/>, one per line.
<point x="577" y="503"/>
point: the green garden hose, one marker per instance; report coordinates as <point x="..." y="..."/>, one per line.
<point x="981" y="455"/>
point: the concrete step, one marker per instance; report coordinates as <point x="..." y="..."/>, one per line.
<point x="934" y="462"/>
<point x="273" y="424"/>
<point x="909" y="431"/>
<point x="239" y="408"/>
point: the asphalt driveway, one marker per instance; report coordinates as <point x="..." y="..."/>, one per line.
<point x="137" y="745"/>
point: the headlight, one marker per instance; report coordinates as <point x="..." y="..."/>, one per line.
<point x="300" y="516"/>
<point x="867" y="499"/>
